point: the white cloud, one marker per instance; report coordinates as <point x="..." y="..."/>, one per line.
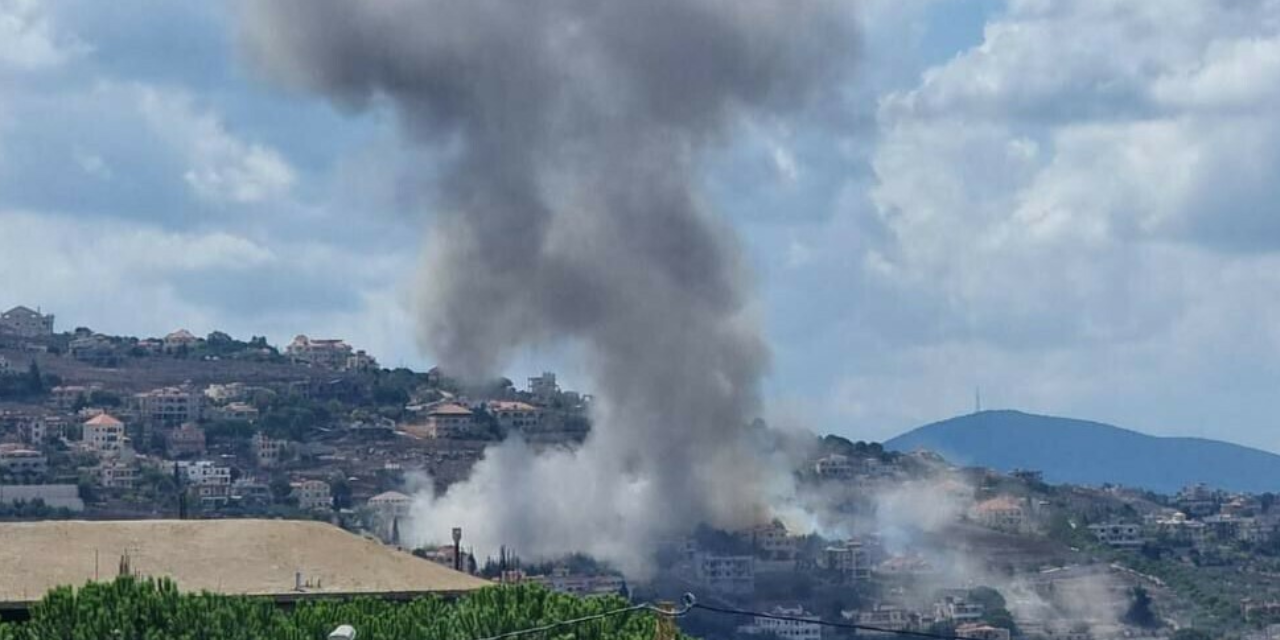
<point x="29" y="40"/>
<point x="1083" y="207"/>
<point x="220" y="166"/>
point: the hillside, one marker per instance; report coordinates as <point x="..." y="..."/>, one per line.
<point x="1092" y="453"/>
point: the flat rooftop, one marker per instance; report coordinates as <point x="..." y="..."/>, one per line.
<point x="242" y="557"/>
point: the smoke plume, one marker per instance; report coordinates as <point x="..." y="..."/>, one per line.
<point x="576" y="132"/>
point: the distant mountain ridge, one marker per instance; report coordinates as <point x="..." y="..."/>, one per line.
<point x="1092" y="453"/>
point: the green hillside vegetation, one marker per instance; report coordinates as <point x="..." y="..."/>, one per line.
<point x="145" y="609"/>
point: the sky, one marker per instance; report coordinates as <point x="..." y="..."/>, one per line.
<point x="1070" y="206"/>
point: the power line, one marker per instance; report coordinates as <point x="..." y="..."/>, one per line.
<point x="825" y="623"/>
<point x="690" y="603"/>
<point x="673" y="613"/>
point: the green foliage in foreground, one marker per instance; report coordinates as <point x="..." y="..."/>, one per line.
<point x="145" y="609"/>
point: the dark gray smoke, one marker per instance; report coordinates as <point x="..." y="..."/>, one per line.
<point x="576" y="132"/>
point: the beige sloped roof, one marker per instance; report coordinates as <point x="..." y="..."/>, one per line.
<point x="103" y="419"/>
<point x="254" y="557"/>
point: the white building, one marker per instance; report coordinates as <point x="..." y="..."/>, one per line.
<point x="850" y="559"/>
<point x="105" y="434"/>
<point x="22" y="321"/>
<point x="330" y="353"/>
<point x="580" y="585"/>
<point x="773" y="541"/>
<point x="33" y="431"/>
<point x="726" y="574"/>
<point x="834" y="467"/>
<point x="515" y="416"/>
<point x="1118" y="534"/>
<point x="205" y="473"/>
<point x="228" y="392"/>
<point x="449" y="421"/>
<point x="312" y="494"/>
<point x="1002" y="513"/>
<point x="22" y="462"/>
<point x="805" y="629"/>
<point x="117" y="474"/>
<point x="242" y="411"/>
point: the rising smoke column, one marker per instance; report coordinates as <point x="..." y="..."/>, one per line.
<point x="576" y="131"/>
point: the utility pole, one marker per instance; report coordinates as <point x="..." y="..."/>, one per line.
<point x="457" y="548"/>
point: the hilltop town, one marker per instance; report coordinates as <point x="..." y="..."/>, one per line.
<point x="183" y="426"/>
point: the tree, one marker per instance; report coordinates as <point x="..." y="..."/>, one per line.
<point x="1140" y="613"/>
<point x="989" y="598"/>
<point x="35" y="382"/>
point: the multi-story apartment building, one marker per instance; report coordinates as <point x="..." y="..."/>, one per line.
<point x="329" y="353"/>
<point x="312" y="494"/>
<point x="806" y="627"/>
<point x="104" y="434"/>
<point x="726" y="574"/>
<point x="187" y="440"/>
<point x="22" y="321"/>
<point x="169" y="406"/>
<point x="515" y="416"/>
<point x="449" y="421"/>
<point x="268" y="451"/>
<point x="21" y="462"/>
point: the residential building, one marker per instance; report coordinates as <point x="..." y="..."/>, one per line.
<point x="251" y="491"/>
<point x="205" y="473"/>
<point x="187" y="440"/>
<point x="330" y="353"/>
<point x="312" y="494"/>
<point x="544" y="387"/>
<point x="850" y="559"/>
<point x="93" y="349"/>
<point x="58" y="496"/>
<point x="1002" y="513"/>
<point x="117" y="474"/>
<point x="269" y="452"/>
<point x="449" y="420"/>
<point x="773" y="542"/>
<point x="1118" y="534"/>
<point x="580" y="585"/>
<point x="169" y="405"/>
<point x="22" y="321"/>
<point x="229" y="392"/>
<point x="65" y="397"/>
<point x="105" y="435"/>
<point x="33" y="431"/>
<point x="980" y="631"/>
<point x="360" y="361"/>
<point x="883" y="616"/>
<point x="180" y="340"/>
<point x="725" y="573"/>
<point x="21" y="462"/>
<point x="958" y="610"/>
<point x="242" y="411"/>
<point x="515" y="416"/>
<point x="391" y="503"/>
<point x="806" y="628"/>
<point x="834" y="467"/>
<point x="7" y="368"/>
